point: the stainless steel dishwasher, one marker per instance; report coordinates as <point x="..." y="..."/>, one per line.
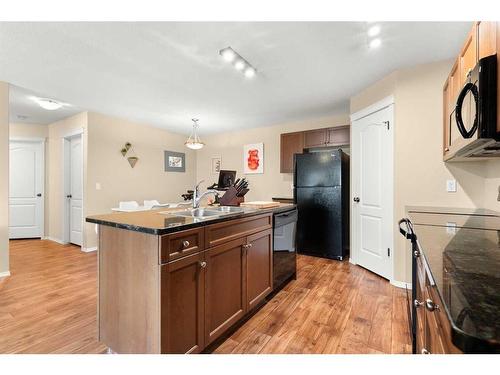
<point x="284" y="249"/>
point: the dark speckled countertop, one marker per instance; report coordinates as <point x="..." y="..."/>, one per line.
<point x="160" y="222"/>
<point x="462" y="249"/>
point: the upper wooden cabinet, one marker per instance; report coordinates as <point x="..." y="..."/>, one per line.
<point x="339" y="136"/>
<point x="468" y="55"/>
<point x="482" y="40"/>
<point x="291" y="143"/>
<point x="315" y="138"/>
<point x="487" y="38"/>
<point x="295" y="143"/>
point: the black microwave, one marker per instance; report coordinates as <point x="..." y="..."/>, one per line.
<point x="473" y="123"/>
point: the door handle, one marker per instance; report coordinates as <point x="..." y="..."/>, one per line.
<point x="39" y="195"/>
<point x="69" y="196"/>
<point x="356" y="199"/>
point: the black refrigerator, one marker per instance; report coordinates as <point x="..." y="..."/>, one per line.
<point x="321" y="193"/>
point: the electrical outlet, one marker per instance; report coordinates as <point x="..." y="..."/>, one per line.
<point x="98" y="186"/>
<point x="451" y="186"/>
<point x="498" y="198"/>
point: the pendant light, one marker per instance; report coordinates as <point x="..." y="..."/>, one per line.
<point x="194" y="142"/>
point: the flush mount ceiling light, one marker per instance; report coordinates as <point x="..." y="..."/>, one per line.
<point x="194" y="142"/>
<point x="48" y="104"/>
<point x="375" y="43"/>
<point x="374" y="31"/>
<point x="231" y="56"/>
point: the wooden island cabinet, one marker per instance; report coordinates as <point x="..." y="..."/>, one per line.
<point x="179" y="292"/>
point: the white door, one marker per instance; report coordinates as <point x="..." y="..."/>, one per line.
<point x="26" y="182"/>
<point x="372" y="190"/>
<point x="75" y="195"/>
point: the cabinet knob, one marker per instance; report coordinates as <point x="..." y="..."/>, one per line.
<point x="430" y="305"/>
<point x="203" y="264"/>
<point x="416" y="253"/>
<point x="356" y="199"/>
<point x="425" y="351"/>
<point x="185" y="243"/>
<point x="417" y="303"/>
<point x="446" y="149"/>
<point x="250" y="245"/>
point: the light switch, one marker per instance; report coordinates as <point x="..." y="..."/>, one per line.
<point x="98" y="186"/>
<point x="451" y="186"/>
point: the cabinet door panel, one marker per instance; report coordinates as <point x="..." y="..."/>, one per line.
<point x="182" y="305"/>
<point x="487" y="38"/>
<point x="291" y="143"/>
<point x="339" y="136"/>
<point x="259" y="267"/>
<point x="315" y="138"/>
<point x="225" y="288"/>
<point x="468" y="56"/>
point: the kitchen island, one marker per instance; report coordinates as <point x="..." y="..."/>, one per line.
<point x="456" y="280"/>
<point x="175" y="284"/>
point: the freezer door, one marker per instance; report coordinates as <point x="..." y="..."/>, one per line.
<point x="319" y="226"/>
<point x="318" y="169"/>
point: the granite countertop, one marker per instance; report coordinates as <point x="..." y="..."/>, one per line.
<point x="462" y="250"/>
<point x="163" y="220"/>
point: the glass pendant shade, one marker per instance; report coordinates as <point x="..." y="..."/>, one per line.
<point x="194" y="142"/>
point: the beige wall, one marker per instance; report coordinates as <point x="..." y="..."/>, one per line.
<point x="54" y="170"/>
<point x="119" y="182"/>
<point x="29" y="130"/>
<point x="4" y="177"/>
<point x="229" y="146"/>
<point x="419" y="171"/>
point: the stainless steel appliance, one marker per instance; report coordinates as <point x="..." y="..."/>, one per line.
<point x="473" y="128"/>
<point x="284" y="250"/>
<point x="321" y="193"/>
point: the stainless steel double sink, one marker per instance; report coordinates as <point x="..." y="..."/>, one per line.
<point x="205" y="213"/>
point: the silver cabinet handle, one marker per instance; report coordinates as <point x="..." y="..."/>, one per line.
<point x="185" y="243"/>
<point x="430" y="305"/>
<point x="203" y="264"/>
<point x="425" y="351"/>
<point x="417" y="303"/>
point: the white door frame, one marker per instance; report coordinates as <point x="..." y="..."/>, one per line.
<point x="382" y="104"/>
<point x="42" y="141"/>
<point x="66" y="183"/>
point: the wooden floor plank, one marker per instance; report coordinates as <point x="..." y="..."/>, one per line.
<point x="49" y="305"/>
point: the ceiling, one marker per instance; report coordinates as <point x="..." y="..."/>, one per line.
<point x="23" y="109"/>
<point x="165" y="73"/>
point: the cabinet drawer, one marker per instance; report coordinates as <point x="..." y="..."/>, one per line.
<point x="440" y="319"/>
<point x="180" y="244"/>
<point x="220" y="233"/>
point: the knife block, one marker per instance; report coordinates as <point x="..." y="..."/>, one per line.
<point x="230" y="199"/>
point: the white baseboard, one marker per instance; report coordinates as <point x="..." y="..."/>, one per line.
<point x="89" y="249"/>
<point x="401" y="284"/>
<point x="4" y="274"/>
<point x="61" y="242"/>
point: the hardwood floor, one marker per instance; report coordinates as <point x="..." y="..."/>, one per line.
<point x="49" y="305"/>
<point x="332" y="307"/>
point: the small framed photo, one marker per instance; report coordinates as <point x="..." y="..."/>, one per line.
<point x="175" y="161"/>
<point x="216" y="165"/>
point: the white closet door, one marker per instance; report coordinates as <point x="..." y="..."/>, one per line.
<point x="26" y="182"/>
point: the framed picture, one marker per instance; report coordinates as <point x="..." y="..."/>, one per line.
<point x="253" y="158"/>
<point x="216" y="165"/>
<point x="175" y="161"/>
